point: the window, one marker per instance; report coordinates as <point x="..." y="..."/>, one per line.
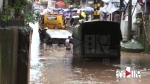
<point x="51" y="18"/>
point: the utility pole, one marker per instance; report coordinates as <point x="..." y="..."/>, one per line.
<point x="129" y="19"/>
<point x="121" y="8"/>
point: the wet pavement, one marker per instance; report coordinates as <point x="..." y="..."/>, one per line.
<point x="52" y="65"/>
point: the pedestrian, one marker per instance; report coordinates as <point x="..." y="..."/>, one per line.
<point x="37" y="2"/>
<point x="116" y="16"/>
<point x="68" y="44"/>
<point x="42" y="33"/>
<point x="80" y="10"/>
<point x="67" y="19"/>
<point x="105" y="16"/>
<point x="72" y="21"/>
<point x="89" y="17"/>
<point x="45" y="11"/>
<point x="101" y="16"/>
<point x="68" y="55"/>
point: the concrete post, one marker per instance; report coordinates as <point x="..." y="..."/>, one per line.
<point x="130" y="20"/>
<point x="1" y="9"/>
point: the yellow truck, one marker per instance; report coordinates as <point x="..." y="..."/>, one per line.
<point x="52" y="21"/>
<point x="53" y="29"/>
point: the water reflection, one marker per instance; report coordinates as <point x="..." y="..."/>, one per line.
<point x="35" y="73"/>
<point x="51" y="65"/>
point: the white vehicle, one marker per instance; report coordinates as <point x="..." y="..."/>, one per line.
<point x="58" y="36"/>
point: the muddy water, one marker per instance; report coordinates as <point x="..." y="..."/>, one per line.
<point x="53" y="65"/>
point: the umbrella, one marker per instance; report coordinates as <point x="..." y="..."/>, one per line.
<point x="75" y="9"/>
<point x="60" y="3"/>
<point x="89" y="9"/>
<point x="52" y="8"/>
<point x="80" y="10"/>
<point x="65" y="10"/>
<point x="103" y="9"/>
<point x="59" y="8"/>
<point x="111" y="8"/>
<point x="108" y="1"/>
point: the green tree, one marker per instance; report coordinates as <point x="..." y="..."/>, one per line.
<point x="17" y="9"/>
<point x="68" y="1"/>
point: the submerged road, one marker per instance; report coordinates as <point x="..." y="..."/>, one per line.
<point x="51" y="65"/>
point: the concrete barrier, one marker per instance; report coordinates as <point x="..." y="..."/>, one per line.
<point x="15" y="55"/>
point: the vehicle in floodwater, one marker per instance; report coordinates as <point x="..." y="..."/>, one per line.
<point x="53" y="30"/>
<point x="97" y="39"/>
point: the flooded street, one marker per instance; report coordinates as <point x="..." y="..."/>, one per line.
<point x="51" y="65"/>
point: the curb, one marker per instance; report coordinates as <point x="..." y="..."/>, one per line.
<point x="132" y="50"/>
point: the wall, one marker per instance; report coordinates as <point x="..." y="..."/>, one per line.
<point x="143" y="39"/>
<point x="8" y="55"/>
<point x="1" y="5"/>
<point x="15" y="54"/>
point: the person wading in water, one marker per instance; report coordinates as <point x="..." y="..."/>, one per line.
<point x="68" y="44"/>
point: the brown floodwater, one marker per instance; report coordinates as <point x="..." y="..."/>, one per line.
<point x="53" y="65"/>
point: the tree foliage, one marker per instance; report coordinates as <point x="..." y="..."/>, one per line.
<point x="68" y="1"/>
<point x="17" y="9"/>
